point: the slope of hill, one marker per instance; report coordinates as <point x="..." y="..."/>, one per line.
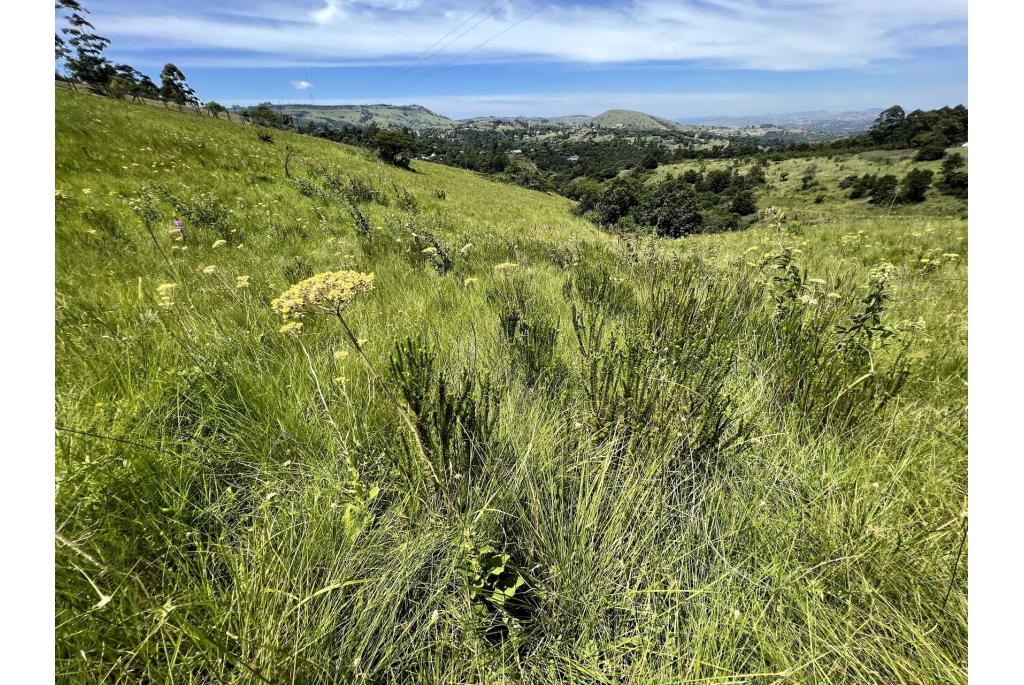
<point x="625" y="118"/>
<point x="384" y="116"/>
<point x="822" y="122"/>
<point x="569" y="120"/>
<point x="532" y="453"/>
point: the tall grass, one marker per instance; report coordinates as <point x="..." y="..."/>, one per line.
<point x="656" y="462"/>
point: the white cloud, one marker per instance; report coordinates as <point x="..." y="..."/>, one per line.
<point x="301" y="85"/>
<point x="764" y="34"/>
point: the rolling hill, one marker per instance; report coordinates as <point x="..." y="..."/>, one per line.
<point x="532" y="452"/>
<point x="384" y="116"/>
<point x="417" y="117"/>
<point x="629" y="119"/>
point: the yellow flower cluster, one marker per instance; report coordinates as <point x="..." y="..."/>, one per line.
<point x="165" y="292"/>
<point x="326" y="292"/>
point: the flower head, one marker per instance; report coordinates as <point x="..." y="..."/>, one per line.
<point x="328" y="292"/>
<point x="293" y="327"/>
<point x="220" y="243"/>
<point x="465" y="249"/>
<point x="340" y="355"/>
<point x="241" y="282"/>
<point x="505" y="266"/>
<point x="165" y="291"/>
<point x="429" y="250"/>
<point x="210" y="270"/>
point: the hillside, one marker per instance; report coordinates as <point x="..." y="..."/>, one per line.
<point x="625" y="118"/>
<point x="821" y="122"/>
<point x="524" y="451"/>
<point x="384" y="116"/>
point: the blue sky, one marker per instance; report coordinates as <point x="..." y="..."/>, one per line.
<point x="674" y="58"/>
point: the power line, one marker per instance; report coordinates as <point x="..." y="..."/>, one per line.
<point x="471" y="50"/>
<point x="394" y="71"/>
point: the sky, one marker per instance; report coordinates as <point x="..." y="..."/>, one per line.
<point x="674" y="58"/>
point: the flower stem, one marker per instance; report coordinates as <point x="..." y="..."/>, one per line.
<point x="394" y="400"/>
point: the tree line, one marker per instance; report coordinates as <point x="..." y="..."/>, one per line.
<point x="79" y="51"/>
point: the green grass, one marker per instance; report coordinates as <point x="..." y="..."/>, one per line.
<point x="690" y="480"/>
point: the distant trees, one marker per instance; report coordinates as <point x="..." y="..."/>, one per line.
<point x="82" y="56"/>
<point x="888" y="189"/>
<point x="215" y="108"/>
<point x="931" y="132"/>
<point x="676" y="206"/>
<point x="395" y="147"/>
<point x="266" y="114"/>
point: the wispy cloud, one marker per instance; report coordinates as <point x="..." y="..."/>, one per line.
<point x="748" y="34"/>
<point x="302" y="85"/>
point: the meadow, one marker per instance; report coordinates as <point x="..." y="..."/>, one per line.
<point x="545" y="454"/>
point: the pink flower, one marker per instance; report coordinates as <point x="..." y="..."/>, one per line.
<point x="178" y="227"/>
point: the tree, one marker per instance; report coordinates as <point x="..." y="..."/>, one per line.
<point x="888" y="126"/>
<point x="619" y="197"/>
<point x="914" y="185"/>
<point x="884" y="189"/>
<point x="395" y="147"/>
<point x="215" y="108"/>
<point x="743" y="204"/>
<point x="86" y="63"/>
<point x="146" y="89"/>
<point x="672" y="209"/>
<point x="953" y="181"/>
<point x="932" y="147"/>
<point x="174" y="89"/>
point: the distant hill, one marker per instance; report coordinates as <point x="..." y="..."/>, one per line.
<point x="385" y="116"/>
<point x="627" y="118"/>
<point x="830" y="123"/>
<point x="570" y="120"/>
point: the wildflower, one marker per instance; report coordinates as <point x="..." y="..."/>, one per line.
<point x="86" y="191"/>
<point x="328" y="292"/>
<point x="179" y="228"/>
<point x="470" y="281"/>
<point x="241" y="282"/>
<point x="165" y="291"/>
<point x="505" y="266"/>
<point x="465" y="249"/>
<point x="431" y="251"/>
<point x="361" y="341"/>
<point x="819" y="281"/>
<point x="951" y="255"/>
<point x="340" y="355"/>
<point x="291" y="327"/>
<point x="340" y="380"/>
<point x="834" y="296"/>
<point x="210" y="270"/>
<point x="219" y="243"/>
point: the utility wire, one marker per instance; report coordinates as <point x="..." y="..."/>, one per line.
<point x="394" y="71"/>
<point x="471" y="50"/>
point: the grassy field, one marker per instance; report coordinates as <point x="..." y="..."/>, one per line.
<point x="544" y="455"/>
